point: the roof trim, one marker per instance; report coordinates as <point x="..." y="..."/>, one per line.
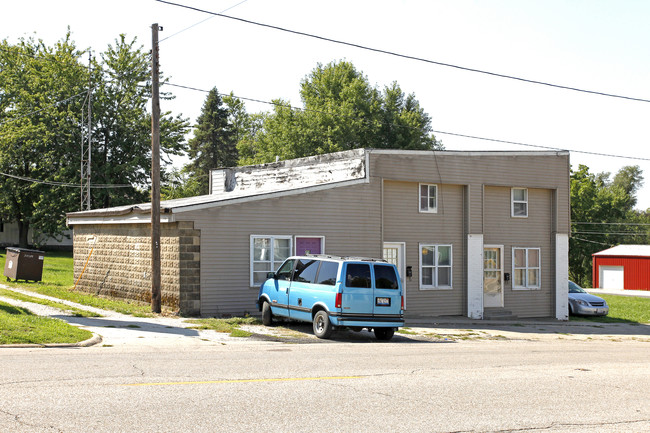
<point x="472" y="152"/>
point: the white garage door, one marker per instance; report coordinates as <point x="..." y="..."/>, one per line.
<point x="611" y="277"/>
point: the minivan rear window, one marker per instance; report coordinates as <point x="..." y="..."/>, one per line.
<point x="328" y="273"/>
<point x="358" y="275"/>
<point x="385" y="277"/>
<point x="306" y="271"/>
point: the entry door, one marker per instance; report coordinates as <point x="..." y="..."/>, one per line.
<point x="394" y="253"/>
<point x="492" y="277"/>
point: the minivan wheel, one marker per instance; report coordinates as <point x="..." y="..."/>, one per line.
<point x="384" y="334"/>
<point x="322" y="325"/>
<point x="267" y="315"/>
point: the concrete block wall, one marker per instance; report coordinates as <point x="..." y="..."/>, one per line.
<point x="118" y="260"/>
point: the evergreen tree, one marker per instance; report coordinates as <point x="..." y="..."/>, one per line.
<point x="214" y="143"/>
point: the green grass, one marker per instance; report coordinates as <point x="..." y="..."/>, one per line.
<point x="229" y="326"/>
<point x="58" y="281"/>
<point x="19" y="326"/>
<point x="622" y="309"/>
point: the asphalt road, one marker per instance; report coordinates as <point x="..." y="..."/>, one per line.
<point x="557" y="385"/>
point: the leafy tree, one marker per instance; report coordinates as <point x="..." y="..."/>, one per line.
<point x="214" y="143"/>
<point x="603" y="215"/>
<point x="122" y="136"/>
<point x="41" y="94"/>
<point x="341" y="111"/>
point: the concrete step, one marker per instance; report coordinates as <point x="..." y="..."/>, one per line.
<point x="498" y="314"/>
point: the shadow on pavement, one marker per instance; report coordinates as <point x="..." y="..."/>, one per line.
<point x="133" y="325"/>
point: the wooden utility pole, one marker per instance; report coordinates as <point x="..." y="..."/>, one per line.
<point x="155" y="174"/>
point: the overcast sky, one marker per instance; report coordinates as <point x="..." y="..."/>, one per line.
<point x="595" y="45"/>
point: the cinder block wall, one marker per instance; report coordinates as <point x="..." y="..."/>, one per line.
<point x="120" y="263"/>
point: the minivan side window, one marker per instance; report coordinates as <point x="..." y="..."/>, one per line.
<point x="306" y="271"/>
<point x="358" y="275"/>
<point x="284" y="273"/>
<point x="385" y="277"/>
<point x="328" y="273"/>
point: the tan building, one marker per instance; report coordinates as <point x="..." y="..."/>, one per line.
<point x="476" y="234"/>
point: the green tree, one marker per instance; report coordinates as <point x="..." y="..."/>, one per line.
<point x="42" y="92"/>
<point x="122" y="134"/>
<point x="41" y="95"/>
<point x="602" y="215"/>
<point x="214" y="143"/>
<point x="342" y="111"/>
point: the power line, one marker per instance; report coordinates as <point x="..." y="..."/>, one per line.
<point x="201" y="22"/>
<point x="407" y="126"/>
<point x="597" y="223"/>
<point x="42" y="109"/>
<point x="65" y="184"/>
<point x="591" y="242"/>
<point x="404" y="56"/>
<point x="612" y="233"/>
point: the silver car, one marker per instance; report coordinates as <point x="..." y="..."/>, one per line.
<point x="585" y="304"/>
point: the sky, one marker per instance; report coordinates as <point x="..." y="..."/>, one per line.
<point x="587" y="44"/>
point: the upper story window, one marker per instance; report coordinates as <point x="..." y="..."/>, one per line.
<point x="428" y="197"/>
<point x="519" y="202"/>
<point x="526" y="268"/>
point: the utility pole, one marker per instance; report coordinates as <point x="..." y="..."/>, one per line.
<point x="155" y="173"/>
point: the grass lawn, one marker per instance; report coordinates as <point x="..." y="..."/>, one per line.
<point x="58" y="282"/>
<point x="622" y="309"/>
<point x="19" y="326"/>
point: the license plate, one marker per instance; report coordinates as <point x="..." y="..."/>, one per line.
<point x="382" y="302"/>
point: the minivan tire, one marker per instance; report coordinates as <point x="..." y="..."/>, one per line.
<point x="322" y="326"/>
<point x="384" y="334"/>
<point x="267" y="315"/>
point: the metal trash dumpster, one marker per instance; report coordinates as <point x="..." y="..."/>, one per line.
<point x="24" y="264"/>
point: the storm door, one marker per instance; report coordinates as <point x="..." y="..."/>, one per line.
<point x="492" y="277"/>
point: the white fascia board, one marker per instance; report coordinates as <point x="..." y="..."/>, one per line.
<point x="144" y="218"/>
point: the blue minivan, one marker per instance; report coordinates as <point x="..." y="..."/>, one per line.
<point x="334" y="292"/>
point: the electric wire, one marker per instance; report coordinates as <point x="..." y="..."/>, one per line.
<point x="200" y="22"/>
<point x="404" y="56"/>
<point x="636" y="158"/>
<point x="64" y="184"/>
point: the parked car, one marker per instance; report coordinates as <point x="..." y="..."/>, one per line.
<point x="333" y="292"/>
<point x="585" y="304"/>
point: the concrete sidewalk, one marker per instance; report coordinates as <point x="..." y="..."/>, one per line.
<point x="118" y="330"/>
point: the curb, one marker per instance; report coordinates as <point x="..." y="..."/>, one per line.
<point x="95" y="339"/>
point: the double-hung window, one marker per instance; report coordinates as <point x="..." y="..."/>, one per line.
<point x="526" y="268"/>
<point x="519" y="202"/>
<point x="435" y="266"/>
<point x="428" y="198"/>
<point x="267" y="254"/>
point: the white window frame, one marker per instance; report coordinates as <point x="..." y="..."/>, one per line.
<point x="428" y="209"/>
<point x="513" y="202"/>
<point x="274" y="265"/>
<point x="526" y="269"/>
<point x="322" y="242"/>
<point x="435" y="267"/>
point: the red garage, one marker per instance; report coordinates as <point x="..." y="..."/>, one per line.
<point x="622" y="267"/>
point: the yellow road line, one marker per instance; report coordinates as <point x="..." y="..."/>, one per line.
<point x="285" y="379"/>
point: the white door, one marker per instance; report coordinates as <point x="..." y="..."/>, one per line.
<point x="492" y="277"/>
<point x="611" y="277"/>
<point x="394" y="252"/>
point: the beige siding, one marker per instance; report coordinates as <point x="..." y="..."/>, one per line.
<point x="546" y="170"/>
<point x="404" y="223"/>
<point x="348" y="218"/>
<point x="532" y="232"/>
